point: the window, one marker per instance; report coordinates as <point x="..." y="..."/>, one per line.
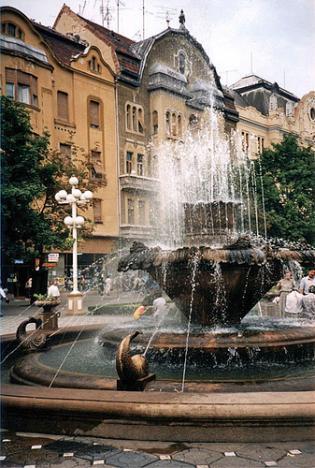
<point x="21" y="86"/>
<point x="97" y="168"/>
<point x="10" y="90"/>
<point x="10" y="29"/>
<point x="128" y="117"/>
<point x="97" y="211"/>
<point x="94" y="66"/>
<point x="129" y="156"/>
<point x="193" y="120"/>
<point x="260" y="145"/>
<point x="182" y="62"/>
<point x="140" y="120"/>
<point x="179" y="125"/>
<point x="24" y="94"/>
<point x="173" y="124"/>
<point x="134" y="118"/>
<point x="245" y="141"/>
<point x="94" y="114"/>
<point x="155" y="122"/>
<point x="62" y="105"/>
<point x="140" y="166"/>
<point x="131" y="211"/>
<point x="168" y="123"/>
<point x="141" y="211"/>
<point x="65" y="150"/>
<point x="96" y="156"/>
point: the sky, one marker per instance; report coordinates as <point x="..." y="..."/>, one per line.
<point x="275" y="39"/>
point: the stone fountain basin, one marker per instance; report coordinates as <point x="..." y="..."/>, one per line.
<point x="214" y="414"/>
<point x="214" y="286"/>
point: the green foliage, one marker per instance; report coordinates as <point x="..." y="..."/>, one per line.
<point x="287" y="175"/>
<point x="31" y="174"/>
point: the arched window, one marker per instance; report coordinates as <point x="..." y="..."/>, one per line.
<point x="168" y="123"/>
<point x="134" y="118"/>
<point x="182" y="62"/>
<point x="174" y="124"/>
<point x="140" y="120"/>
<point x="11" y="29"/>
<point x="155" y="122"/>
<point x="179" y="126"/>
<point x="128" y="117"/>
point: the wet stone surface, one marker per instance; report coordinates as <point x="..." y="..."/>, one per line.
<point x="66" y="452"/>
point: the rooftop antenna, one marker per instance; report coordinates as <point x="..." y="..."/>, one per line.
<point x="108" y="15"/>
<point x="118" y="4"/>
<point x="81" y="9"/>
<point x="227" y="75"/>
<point x="102" y="12"/>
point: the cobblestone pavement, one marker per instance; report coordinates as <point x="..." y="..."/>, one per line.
<point x="16" y="311"/>
<point x="41" y="450"/>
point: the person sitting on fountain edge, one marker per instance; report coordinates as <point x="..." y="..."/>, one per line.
<point x="293" y="305"/>
<point x="307" y="282"/>
<point x="308" y="304"/>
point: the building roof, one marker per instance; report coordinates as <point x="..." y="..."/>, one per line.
<point x="250" y="82"/>
<point x="63" y="47"/>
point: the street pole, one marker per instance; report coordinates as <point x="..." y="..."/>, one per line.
<point x="75" y="246"/>
<point x="75" y="198"/>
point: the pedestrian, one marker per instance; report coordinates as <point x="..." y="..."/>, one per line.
<point x="3" y="295"/>
<point x="285" y="286"/>
<point x="28" y="287"/>
<point x="108" y="285"/>
<point x="308" y="304"/>
<point x="139" y="312"/>
<point x="160" y="308"/>
<point x="53" y="290"/>
<point x="293" y="306"/>
<point x="307" y="282"/>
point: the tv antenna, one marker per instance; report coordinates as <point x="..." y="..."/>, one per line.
<point x="108" y="15"/>
<point x="119" y="3"/>
<point x="227" y="72"/>
<point x="81" y="9"/>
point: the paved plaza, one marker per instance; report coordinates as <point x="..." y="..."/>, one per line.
<point x="41" y="450"/>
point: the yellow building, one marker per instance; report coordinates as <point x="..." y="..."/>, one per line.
<point x="165" y="84"/>
<point x="267" y="112"/>
<point x="69" y="89"/>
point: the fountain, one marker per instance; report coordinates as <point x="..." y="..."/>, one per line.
<point x="215" y="372"/>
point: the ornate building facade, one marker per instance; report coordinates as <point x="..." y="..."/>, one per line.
<point x="69" y="89"/>
<point x="164" y="86"/>
<point x="118" y="99"/>
<point x="267" y="112"/>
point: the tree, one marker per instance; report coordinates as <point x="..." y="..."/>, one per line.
<point x="31" y="174"/>
<point x="287" y="182"/>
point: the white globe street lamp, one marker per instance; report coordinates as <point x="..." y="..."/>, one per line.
<point x="74" y="222"/>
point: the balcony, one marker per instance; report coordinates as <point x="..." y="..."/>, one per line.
<point x="138" y="183"/>
<point x="138" y="232"/>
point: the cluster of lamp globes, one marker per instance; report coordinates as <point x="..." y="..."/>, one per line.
<point x="76" y="196"/>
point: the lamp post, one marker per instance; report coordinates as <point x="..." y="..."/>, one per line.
<point x="74" y="222"/>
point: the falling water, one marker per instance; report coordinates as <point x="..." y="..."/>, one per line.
<point x="206" y="167"/>
<point x="195" y="263"/>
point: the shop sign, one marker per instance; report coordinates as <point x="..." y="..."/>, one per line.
<point x="53" y="257"/>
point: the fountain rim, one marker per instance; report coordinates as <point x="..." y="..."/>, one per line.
<point x="161" y="416"/>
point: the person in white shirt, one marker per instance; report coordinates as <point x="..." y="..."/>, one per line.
<point x="293" y="304"/>
<point x="108" y="285"/>
<point x="308" y="303"/>
<point x="307" y="282"/>
<point x="53" y="290"/>
<point x="159" y="307"/>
